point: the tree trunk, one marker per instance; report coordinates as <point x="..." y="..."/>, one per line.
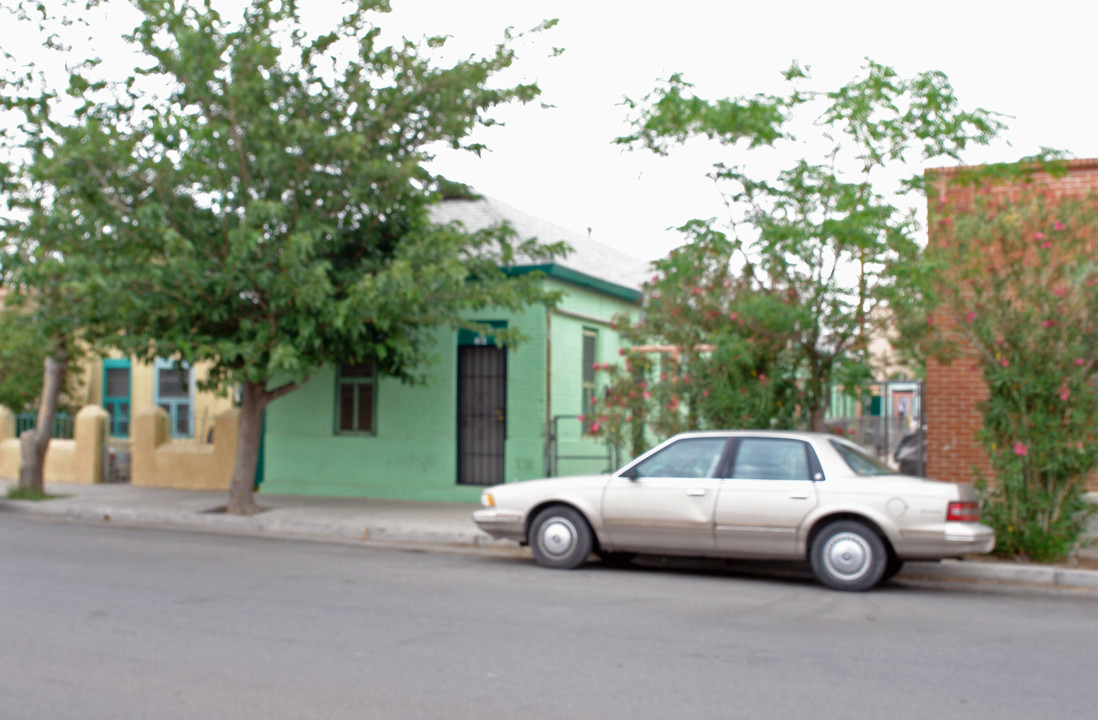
<point x="34" y="443"/>
<point x="241" y="491"/>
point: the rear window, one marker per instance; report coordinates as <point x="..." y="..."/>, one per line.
<point x="861" y="462"/>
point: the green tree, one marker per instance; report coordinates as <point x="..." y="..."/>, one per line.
<point x="1015" y="282"/>
<point x="255" y="197"/>
<point x="814" y="249"/>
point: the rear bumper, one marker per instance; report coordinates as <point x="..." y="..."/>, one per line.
<point x="969" y="538"/>
<point x="944" y="540"/>
<point x="500" y="524"/>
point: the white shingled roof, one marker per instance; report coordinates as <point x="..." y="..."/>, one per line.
<point x="588" y="256"/>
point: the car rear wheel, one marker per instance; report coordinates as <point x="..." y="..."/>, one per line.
<point x="848" y="555"/>
<point x="560" y="538"/>
<point x="892" y="567"/>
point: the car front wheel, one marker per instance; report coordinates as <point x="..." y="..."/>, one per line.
<point x="848" y="555"/>
<point x="560" y="538"/>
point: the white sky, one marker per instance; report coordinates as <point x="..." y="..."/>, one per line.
<point x="1035" y="62"/>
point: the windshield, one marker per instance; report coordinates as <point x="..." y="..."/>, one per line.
<point x="861" y="462"/>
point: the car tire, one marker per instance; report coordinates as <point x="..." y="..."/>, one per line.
<point x="848" y="555"/>
<point x="560" y="538"/>
<point x="892" y="568"/>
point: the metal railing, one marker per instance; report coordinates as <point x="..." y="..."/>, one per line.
<point x="608" y="455"/>
<point x="62" y="424"/>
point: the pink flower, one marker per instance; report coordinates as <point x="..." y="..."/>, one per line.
<point x="1004" y="362"/>
<point x="595" y="426"/>
<point x="1058" y="226"/>
<point x="1059" y="292"/>
<point x="582" y="417"/>
<point x="1064" y="394"/>
<point x="971" y="317"/>
<point x="1039" y="236"/>
<point x="1021" y="449"/>
<point x="1048" y="323"/>
<point x="733" y="316"/>
<point x="1046" y="245"/>
<point x="646" y="395"/>
<point x="1079" y="361"/>
<point x="705" y="393"/>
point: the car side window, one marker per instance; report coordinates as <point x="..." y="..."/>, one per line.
<point x="771" y="459"/>
<point x="688" y="458"/>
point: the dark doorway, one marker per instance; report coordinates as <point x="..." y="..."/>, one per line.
<point x="482" y="414"/>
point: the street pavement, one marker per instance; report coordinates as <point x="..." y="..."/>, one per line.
<point x="395" y="522"/>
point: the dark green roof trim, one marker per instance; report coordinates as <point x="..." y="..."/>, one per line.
<point x="577" y="278"/>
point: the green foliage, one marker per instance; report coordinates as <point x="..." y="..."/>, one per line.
<point x="19" y="493"/>
<point x="782" y="292"/>
<point x="1017" y="280"/>
<point x="21" y="358"/>
<point x="268" y="210"/>
<point x="255" y="197"/>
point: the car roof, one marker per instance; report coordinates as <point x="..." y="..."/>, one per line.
<point x="799" y="434"/>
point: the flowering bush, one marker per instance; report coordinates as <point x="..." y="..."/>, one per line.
<point x="1019" y="281"/>
<point x="698" y="359"/>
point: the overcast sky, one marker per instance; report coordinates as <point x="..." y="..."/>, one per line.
<point x="1035" y="62"/>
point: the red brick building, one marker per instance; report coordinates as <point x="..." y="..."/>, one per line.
<point x="953" y="390"/>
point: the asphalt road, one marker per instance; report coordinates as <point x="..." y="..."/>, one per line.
<point x="99" y="622"/>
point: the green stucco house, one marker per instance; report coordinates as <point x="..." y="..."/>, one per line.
<point x="487" y="414"/>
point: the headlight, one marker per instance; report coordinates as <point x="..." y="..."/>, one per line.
<point x="487" y="500"/>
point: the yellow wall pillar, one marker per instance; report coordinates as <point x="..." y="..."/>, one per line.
<point x="90" y="434"/>
<point x="9" y="446"/>
<point x="149" y="430"/>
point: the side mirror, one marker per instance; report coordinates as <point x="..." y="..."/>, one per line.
<point x="631" y="473"/>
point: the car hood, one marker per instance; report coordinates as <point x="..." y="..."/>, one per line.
<point x="550" y="485"/>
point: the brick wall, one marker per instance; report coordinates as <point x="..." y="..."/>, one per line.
<point x="953" y="390"/>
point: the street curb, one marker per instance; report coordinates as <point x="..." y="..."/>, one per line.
<point x="273" y="523"/>
<point x="1005" y="572"/>
<point x="267" y="524"/>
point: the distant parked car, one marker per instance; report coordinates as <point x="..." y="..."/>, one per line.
<point x="745" y="494"/>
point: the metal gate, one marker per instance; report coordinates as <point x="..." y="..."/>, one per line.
<point x="482" y="414"/>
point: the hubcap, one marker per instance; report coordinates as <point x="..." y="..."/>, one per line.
<point x="848" y="555"/>
<point x="558" y="536"/>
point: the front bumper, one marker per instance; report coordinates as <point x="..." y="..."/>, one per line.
<point x="500" y="523"/>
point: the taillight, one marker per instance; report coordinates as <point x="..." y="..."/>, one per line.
<point x="963" y="511"/>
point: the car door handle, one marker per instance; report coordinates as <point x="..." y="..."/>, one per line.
<point x="798" y="497"/>
<point x="696" y="492"/>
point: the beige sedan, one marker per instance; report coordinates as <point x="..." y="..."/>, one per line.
<point x="745" y="494"/>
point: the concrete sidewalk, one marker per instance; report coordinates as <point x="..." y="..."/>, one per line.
<point x="402" y="523"/>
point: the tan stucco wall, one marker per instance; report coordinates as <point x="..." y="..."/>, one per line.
<point x="79" y="460"/>
<point x="207" y="404"/>
<point x="156" y="461"/>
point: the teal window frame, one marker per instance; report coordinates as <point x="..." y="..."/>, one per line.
<point x="119" y="407"/>
<point x="356" y="386"/>
<point x="180" y="408"/>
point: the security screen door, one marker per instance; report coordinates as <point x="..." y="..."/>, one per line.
<point x="482" y="414"/>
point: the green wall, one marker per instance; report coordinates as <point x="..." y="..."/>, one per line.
<point x="581" y="309"/>
<point x="413" y="454"/>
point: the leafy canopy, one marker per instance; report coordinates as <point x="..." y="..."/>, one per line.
<point x="810" y="255"/>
